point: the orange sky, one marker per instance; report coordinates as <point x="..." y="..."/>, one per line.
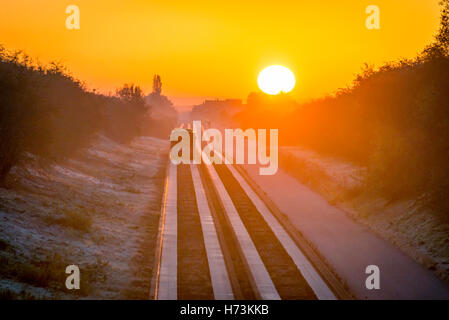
<point x="217" y="48"/>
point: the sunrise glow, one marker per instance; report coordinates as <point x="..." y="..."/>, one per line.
<point x="276" y="79"/>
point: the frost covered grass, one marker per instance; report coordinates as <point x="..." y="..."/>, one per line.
<point x="99" y="211"/>
<point x="418" y="231"/>
<point x="76" y="219"/>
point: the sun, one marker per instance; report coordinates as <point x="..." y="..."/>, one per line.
<point x="276" y="79"/>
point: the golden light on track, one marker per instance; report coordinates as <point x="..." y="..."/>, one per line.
<point x="276" y="79"/>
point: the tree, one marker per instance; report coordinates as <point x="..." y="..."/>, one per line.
<point x="443" y="34"/>
<point x="157" y="85"/>
<point x="440" y="47"/>
<point x="132" y="94"/>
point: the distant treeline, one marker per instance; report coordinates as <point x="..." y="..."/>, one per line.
<point x="394" y="120"/>
<point x="46" y="112"/>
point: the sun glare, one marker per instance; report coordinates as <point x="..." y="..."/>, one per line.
<point x="276" y="79"/>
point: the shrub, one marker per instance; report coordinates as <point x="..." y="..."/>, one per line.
<point x="47" y="112"/>
<point x="394" y="120"/>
